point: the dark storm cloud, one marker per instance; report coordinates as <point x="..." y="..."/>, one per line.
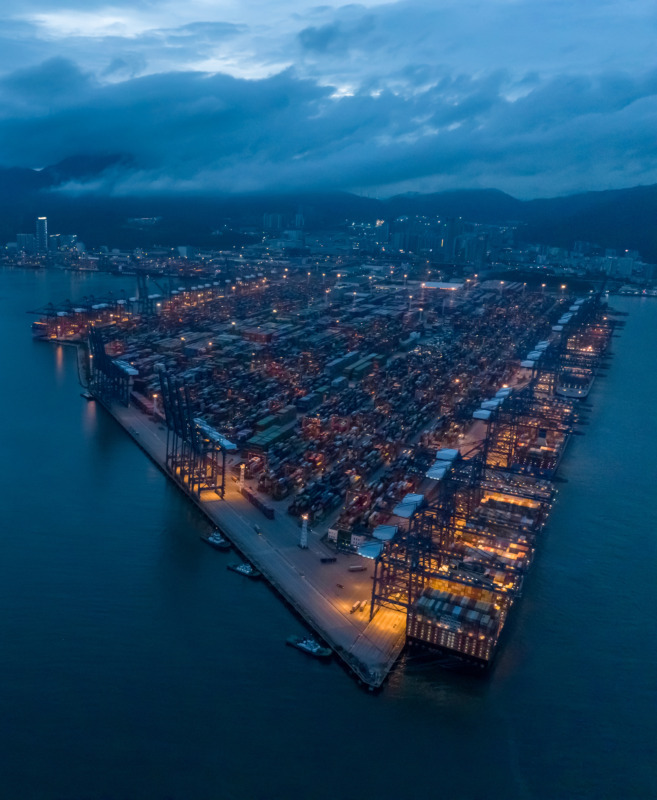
<point x="532" y="97"/>
<point x="192" y="131"/>
<point x="38" y="88"/>
<point x="320" y="39"/>
<point x="338" y="36"/>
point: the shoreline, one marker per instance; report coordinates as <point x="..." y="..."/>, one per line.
<point x="325" y="592"/>
<point x="369" y="650"/>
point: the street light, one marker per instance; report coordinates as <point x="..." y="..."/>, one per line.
<point x="303" y="538"/>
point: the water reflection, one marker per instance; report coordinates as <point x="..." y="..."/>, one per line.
<point x="90" y="418"/>
<point x="127" y="635"/>
<point x="59" y="364"/>
<point x="437" y="680"/>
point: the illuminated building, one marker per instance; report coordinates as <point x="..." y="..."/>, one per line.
<point x="42" y="234"/>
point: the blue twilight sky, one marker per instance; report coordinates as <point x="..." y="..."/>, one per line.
<point x="535" y="97"/>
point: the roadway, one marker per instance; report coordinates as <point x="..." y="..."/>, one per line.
<point x="323" y="594"/>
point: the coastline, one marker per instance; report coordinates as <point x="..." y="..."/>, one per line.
<point x="325" y="592"/>
<point x="368" y="649"/>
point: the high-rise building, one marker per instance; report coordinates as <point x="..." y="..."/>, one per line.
<point x="26" y="242"/>
<point x="624" y="267"/>
<point x="272" y="222"/>
<point x="42" y="234"/>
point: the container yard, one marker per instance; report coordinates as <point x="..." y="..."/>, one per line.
<point x="385" y="457"/>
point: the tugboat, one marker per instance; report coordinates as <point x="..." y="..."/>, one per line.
<point x="309" y="646"/>
<point x="216" y="540"/>
<point x="245" y="569"/>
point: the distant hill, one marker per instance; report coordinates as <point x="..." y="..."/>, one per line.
<point x="21" y="182"/>
<point x="621" y="219"/>
<point x="475" y="205"/>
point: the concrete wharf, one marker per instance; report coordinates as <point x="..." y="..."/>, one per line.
<point x="323" y="594"/>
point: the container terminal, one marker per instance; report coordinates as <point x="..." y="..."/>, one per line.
<point x="384" y="455"/>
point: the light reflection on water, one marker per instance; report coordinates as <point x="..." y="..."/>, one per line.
<point x="90" y="418"/>
<point x="135" y="665"/>
<point x="59" y="361"/>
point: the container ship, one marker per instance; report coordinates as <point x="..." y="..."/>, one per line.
<point x="575" y="385"/>
<point x="465" y="603"/>
<point x="581" y="357"/>
<point x="460" y="552"/>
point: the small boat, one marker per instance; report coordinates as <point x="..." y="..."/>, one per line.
<point x="356" y="568"/>
<point x="216" y="540"/>
<point x="87" y="395"/>
<point x="309" y="646"/>
<point x="245" y="569"/>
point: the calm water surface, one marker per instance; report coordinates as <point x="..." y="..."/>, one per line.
<point x="134" y="666"/>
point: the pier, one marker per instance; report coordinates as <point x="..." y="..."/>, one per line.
<point x="390" y="494"/>
<point x="323" y="594"/>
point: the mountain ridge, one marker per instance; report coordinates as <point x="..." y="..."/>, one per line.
<point x="618" y="218"/>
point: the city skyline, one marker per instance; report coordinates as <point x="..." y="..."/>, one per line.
<point x="372" y="98"/>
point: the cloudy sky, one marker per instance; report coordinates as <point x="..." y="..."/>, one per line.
<point x="535" y="97"/>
